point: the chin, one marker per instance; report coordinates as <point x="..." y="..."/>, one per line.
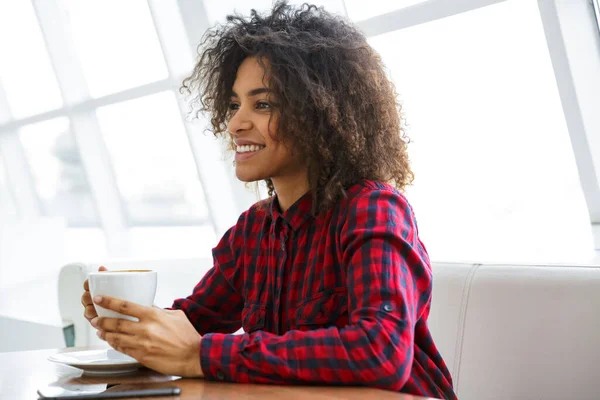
<point x="247" y="176"/>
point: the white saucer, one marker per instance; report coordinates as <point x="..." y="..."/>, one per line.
<point x="98" y="362"/>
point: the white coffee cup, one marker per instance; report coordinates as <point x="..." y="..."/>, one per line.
<point x="136" y="286"/>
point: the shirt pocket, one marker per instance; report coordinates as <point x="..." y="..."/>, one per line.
<point x="253" y="317"/>
<point x="323" y="310"/>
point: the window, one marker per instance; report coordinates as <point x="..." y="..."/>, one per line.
<point x="111" y="154"/>
<point x="7" y="204"/>
<point x="59" y="176"/>
<point x="333" y="6"/>
<point x="218" y="10"/>
<point x="359" y="10"/>
<point x="117" y="44"/>
<point x="495" y="171"/>
<point x="172" y="241"/>
<point x="153" y="162"/>
<point x="26" y="76"/>
<point x="596" y="5"/>
<point x="95" y="131"/>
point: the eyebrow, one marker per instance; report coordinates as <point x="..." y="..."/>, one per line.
<point x="253" y="92"/>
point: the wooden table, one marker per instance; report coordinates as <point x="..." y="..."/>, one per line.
<point x="23" y="372"/>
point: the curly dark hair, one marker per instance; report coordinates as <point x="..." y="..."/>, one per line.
<point x="336" y="106"/>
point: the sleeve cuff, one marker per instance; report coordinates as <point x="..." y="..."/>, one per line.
<point x="219" y="357"/>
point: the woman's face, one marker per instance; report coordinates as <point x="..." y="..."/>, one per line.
<point x="252" y="125"/>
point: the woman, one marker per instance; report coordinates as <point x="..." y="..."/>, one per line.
<point x="328" y="276"/>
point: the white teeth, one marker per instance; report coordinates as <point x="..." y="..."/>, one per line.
<point x="248" y="148"/>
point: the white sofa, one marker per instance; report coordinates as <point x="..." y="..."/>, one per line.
<point x="519" y="331"/>
<point x="505" y="331"/>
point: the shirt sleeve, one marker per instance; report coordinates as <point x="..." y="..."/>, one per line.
<point x="389" y="284"/>
<point x="216" y="304"/>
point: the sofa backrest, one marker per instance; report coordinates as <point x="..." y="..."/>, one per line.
<point x="518" y="331"/>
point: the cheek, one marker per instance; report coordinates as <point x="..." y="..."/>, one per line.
<point x="271" y="127"/>
<point x="283" y="155"/>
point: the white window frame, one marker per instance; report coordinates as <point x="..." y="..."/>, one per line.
<point x="18" y="172"/>
<point x="596" y="5"/>
<point x="7" y="189"/>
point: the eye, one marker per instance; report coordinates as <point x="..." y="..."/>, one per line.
<point x="234" y="106"/>
<point x="262" y="105"/>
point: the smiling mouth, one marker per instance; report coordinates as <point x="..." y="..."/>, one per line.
<point x="248" y="149"/>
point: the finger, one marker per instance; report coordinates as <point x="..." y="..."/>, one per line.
<point x="118" y="325"/>
<point x="90" y="312"/>
<point x="123" y="306"/>
<point x="86" y="299"/>
<point x="102" y="268"/>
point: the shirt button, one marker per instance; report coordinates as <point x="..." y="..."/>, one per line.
<point x="220" y="375"/>
<point x="388" y="307"/>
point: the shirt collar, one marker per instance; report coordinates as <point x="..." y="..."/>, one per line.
<point x="297" y="214"/>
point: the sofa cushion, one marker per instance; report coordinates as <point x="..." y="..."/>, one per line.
<point x="451" y="282"/>
<point x="528" y="332"/>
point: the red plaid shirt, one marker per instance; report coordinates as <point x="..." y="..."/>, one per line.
<point x="338" y="299"/>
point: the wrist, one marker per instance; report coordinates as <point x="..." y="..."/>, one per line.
<point x="197" y="364"/>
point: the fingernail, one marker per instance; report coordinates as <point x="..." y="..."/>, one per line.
<point x="94" y="322"/>
<point x="99" y="334"/>
<point x="98" y="299"/>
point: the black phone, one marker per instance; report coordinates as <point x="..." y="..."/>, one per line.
<point x="106" y="391"/>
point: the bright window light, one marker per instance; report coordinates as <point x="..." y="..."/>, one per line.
<point x="172" y="242"/>
<point x="496" y="178"/>
<point x="218" y="10"/>
<point x="7" y="204"/>
<point x="333" y="6"/>
<point x="596" y="4"/>
<point x="153" y="161"/>
<point x="26" y="73"/>
<point x="58" y="172"/>
<point x="117" y="44"/>
<point x="359" y="10"/>
<point x="85" y="244"/>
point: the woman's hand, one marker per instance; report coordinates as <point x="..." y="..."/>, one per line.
<point x="89" y="312"/>
<point x="163" y="340"/>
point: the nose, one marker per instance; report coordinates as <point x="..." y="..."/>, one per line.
<point x="239" y="122"/>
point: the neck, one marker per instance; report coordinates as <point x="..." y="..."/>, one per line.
<point x="290" y="189"/>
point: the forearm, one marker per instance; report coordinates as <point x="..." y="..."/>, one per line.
<point x="207" y="320"/>
<point x="214" y="305"/>
<point x="375" y="351"/>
